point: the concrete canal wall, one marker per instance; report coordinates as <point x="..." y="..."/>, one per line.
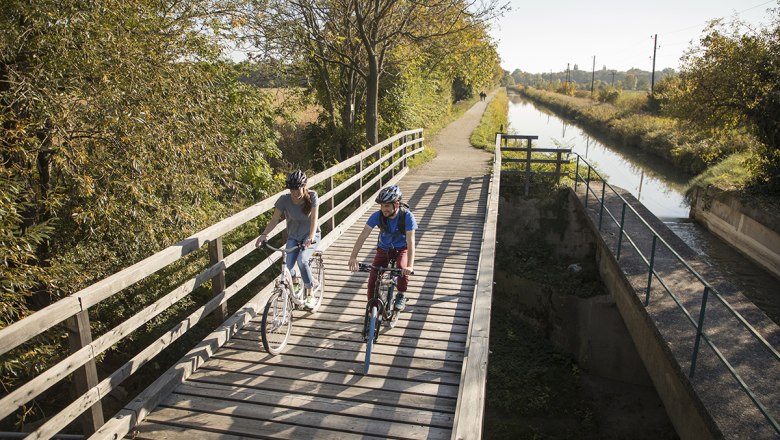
<point x="610" y="335"/>
<point x="684" y="407"/>
<point x="753" y="232"/>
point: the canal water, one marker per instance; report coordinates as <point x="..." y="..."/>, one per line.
<point x="658" y="185"/>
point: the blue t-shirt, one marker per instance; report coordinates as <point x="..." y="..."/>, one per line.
<point x="392" y="238"/>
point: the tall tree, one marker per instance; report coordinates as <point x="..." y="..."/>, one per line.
<point x="121" y="133"/>
<point x="362" y="35"/>
<point x="732" y="80"/>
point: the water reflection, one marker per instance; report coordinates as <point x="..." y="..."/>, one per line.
<point x="649" y="179"/>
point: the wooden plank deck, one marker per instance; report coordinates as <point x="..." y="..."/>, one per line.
<point x="316" y="388"/>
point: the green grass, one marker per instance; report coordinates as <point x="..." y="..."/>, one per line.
<point x="533" y="389"/>
<point x="427" y="155"/>
<point x="732" y="173"/>
<point x="628" y="123"/>
<point x="494" y="118"/>
<point x="632" y="101"/>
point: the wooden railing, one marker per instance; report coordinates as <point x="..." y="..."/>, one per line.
<point x="470" y="409"/>
<point x="382" y="164"/>
<point x="529" y="158"/>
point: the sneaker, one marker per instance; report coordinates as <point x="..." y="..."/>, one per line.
<point x="310" y="302"/>
<point x="297" y="284"/>
<point x="400" y="302"/>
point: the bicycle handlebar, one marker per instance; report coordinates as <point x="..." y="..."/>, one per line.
<point x="266" y="244"/>
<point x="363" y="267"/>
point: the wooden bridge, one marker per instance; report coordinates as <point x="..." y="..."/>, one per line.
<point x="426" y="373"/>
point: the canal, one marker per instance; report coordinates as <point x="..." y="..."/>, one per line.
<point x="658" y="185"/>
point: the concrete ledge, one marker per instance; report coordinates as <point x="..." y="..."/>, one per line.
<point x="685" y="409"/>
<point x="754" y="233"/>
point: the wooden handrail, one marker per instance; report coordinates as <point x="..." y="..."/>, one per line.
<point x="78" y="303"/>
<point x="470" y="409"/>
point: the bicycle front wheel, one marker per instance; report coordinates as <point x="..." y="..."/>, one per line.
<point x="372" y="322"/>
<point x="277" y="323"/>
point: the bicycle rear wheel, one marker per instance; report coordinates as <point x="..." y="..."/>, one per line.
<point x="318" y="274"/>
<point x="372" y="323"/>
<point x="277" y="323"/>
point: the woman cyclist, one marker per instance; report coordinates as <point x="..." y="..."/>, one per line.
<point x="301" y="210"/>
<point x="396" y="240"/>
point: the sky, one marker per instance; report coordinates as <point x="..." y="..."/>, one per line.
<point x="539" y="36"/>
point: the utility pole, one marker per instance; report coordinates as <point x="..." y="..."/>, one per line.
<point x="613" y="77"/>
<point x="652" y="75"/>
<point x="592" y="76"/>
<point x="567" y="73"/>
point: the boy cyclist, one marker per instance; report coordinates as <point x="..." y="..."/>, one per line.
<point x="396" y="240"/>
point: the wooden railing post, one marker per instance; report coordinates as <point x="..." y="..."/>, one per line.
<point x="379" y="166"/>
<point x="332" y="204"/>
<point x="403" y="152"/>
<point x="218" y="281"/>
<point x="85" y="377"/>
<point x="392" y="159"/>
<point x="358" y="170"/>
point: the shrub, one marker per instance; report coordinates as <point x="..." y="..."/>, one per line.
<point x="608" y="94"/>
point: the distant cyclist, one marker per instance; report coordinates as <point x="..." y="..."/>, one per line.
<point x="301" y="210"/>
<point x="396" y="240"/>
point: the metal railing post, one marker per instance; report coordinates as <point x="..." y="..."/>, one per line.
<point x="650" y="272"/>
<point x="601" y="210"/>
<point x="577" y="173"/>
<point x="587" y="187"/>
<point x="620" y="237"/>
<point x="699" y="331"/>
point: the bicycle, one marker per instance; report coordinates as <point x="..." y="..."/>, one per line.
<point x="380" y="306"/>
<point x="276" y="325"/>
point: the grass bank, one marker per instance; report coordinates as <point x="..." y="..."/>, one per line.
<point x="493" y="120"/>
<point x="727" y="162"/>
<point x="628" y="123"/>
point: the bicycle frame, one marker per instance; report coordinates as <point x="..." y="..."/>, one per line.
<point x="284" y="281"/>
<point x="378" y="308"/>
<point x="385" y="274"/>
<point x="276" y="324"/>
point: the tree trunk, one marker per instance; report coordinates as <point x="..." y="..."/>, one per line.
<point x="372" y="101"/>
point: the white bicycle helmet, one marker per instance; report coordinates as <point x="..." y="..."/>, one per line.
<point x="389" y="194"/>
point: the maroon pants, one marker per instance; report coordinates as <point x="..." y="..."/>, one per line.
<point x="380" y="259"/>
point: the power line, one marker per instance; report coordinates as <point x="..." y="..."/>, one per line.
<point x="707" y="21"/>
<point x="638" y="45"/>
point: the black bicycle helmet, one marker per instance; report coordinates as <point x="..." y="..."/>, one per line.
<point x="296" y="179"/>
<point x="389" y="194"/>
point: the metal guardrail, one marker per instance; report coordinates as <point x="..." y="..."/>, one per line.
<point x="708" y="290"/>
